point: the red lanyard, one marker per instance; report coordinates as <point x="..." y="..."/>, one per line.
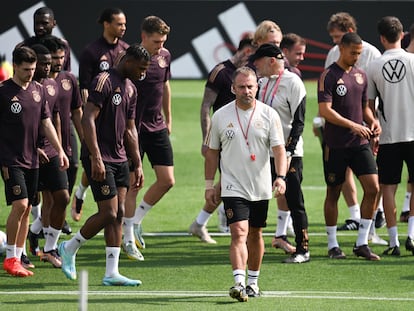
<point x="245" y="134"/>
<point x="272" y="96"/>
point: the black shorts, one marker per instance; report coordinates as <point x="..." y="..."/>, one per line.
<point x="157" y="146"/>
<point x="238" y="209"/>
<point x="51" y="177"/>
<point x="335" y="162"/>
<point x="20" y="183"/>
<point x="390" y="160"/>
<point x="117" y="176"/>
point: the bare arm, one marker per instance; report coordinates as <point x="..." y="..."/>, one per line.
<point x="77" y="119"/>
<point x="50" y="132"/>
<point x="208" y="100"/>
<point x="210" y="168"/>
<point x="279" y="154"/>
<point x="330" y="115"/>
<point x="90" y="113"/>
<point x="131" y="145"/>
<point x="166" y="105"/>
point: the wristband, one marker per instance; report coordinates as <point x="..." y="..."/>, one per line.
<point x="281" y="177"/>
<point x="209" y="184"/>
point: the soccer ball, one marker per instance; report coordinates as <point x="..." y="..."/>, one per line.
<point x="3" y="242"/>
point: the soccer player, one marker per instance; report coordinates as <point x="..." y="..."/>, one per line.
<point x="110" y="138"/>
<point x="43" y="24"/>
<point x="23" y="115"/>
<point x="391" y="78"/>
<point x="242" y="133"/>
<point x="100" y="55"/>
<point x="343" y="103"/>
<point x="217" y="93"/>
<point x="154" y="124"/>
<point x="285" y="92"/>
<point x="267" y="32"/>
<point x="339" y="24"/>
<point x="293" y="47"/>
<point x="53" y="182"/>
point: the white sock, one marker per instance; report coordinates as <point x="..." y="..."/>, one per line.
<point x="410" y="232"/>
<point x="141" y="210"/>
<point x="51" y="239"/>
<point x="239" y="276"/>
<point x="355" y="212"/>
<point x="203" y="217"/>
<point x="24" y="252"/>
<point x="36" y="211"/>
<point x="332" y="241"/>
<point x="81" y="191"/>
<point x="282" y="222"/>
<point x="19" y="252"/>
<point x="372" y="230"/>
<point x="75" y="243"/>
<point x="363" y="231"/>
<point x="406" y="204"/>
<point x="11" y="251"/>
<point x="393" y="235"/>
<point x="128" y="229"/>
<point x="380" y="206"/>
<point x="36" y="226"/>
<point x="253" y="277"/>
<point x="112" y="261"/>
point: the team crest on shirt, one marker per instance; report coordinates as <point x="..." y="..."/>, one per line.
<point x="229" y="213"/>
<point x="104" y="65"/>
<point x="36" y="96"/>
<point x="331" y="178"/>
<point x="393" y="71"/>
<point x="162" y="62"/>
<point x="105" y="190"/>
<point x="341" y="90"/>
<point x="66" y="85"/>
<point x="51" y="90"/>
<point x="116" y="99"/>
<point x="359" y="78"/>
<point x="17" y="190"/>
<point x="16" y="107"/>
<point x="230" y="134"/>
<point x="258" y="124"/>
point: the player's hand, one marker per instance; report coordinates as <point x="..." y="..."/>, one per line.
<point x="279" y="187"/>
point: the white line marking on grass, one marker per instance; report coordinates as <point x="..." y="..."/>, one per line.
<point x="265" y="294"/>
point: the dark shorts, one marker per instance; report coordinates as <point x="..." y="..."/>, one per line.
<point x="335" y="162"/>
<point x="51" y="177"/>
<point x="157" y="146"/>
<point x="238" y="209"/>
<point x="117" y="176"/>
<point x="390" y="160"/>
<point x="20" y="183"/>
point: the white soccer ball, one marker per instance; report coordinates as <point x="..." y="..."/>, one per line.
<point x="3" y="242"/>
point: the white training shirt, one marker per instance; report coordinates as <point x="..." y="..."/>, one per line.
<point x="240" y="175"/>
<point x="369" y="53"/>
<point x="287" y="98"/>
<point x="391" y="78"/>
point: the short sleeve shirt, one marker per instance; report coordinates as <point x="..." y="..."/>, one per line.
<point x="98" y="56"/>
<point x="219" y="80"/>
<point x="69" y="99"/>
<point x="151" y="92"/>
<point x="391" y="78"/>
<point x="116" y="98"/>
<point x="347" y="91"/>
<point x="52" y="95"/>
<point x="21" y="113"/>
<point x="240" y="175"/>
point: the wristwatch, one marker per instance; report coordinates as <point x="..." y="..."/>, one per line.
<point x="288" y="154"/>
<point x="281" y="177"/>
